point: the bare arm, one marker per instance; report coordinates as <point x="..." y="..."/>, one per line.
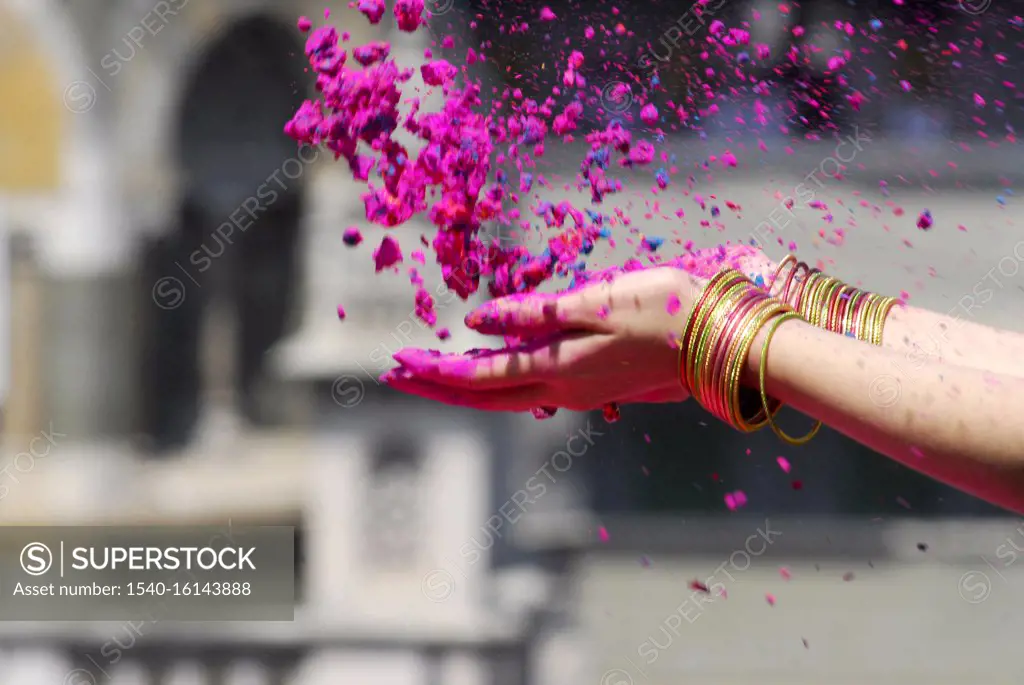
<point x="919" y="335"/>
<point x="956" y="424"/>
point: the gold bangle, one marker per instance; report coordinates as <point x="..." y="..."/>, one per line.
<point x="733" y="337"/>
<point x="747" y="307"/>
<point x="834" y="304"/>
<point x="872" y="333"/>
<point x="806" y="295"/>
<point x="851" y="308"/>
<point x="863" y="316"/>
<point x="821" y="303"/>
<point x="713" y="319"/>
<point x="828" y="303"/>
<point x="867" y="333"/>
<point x="788" y="259"/>
<point x="698" y="338"/>
<point x="880" y="318"/>
<point x="796" y="285"/>
<point x="716" y="344"/>
<point x="711" y="291"/>
<point x="792" y="290"/>
<point x="764" y="417"/>
<point x="762" y="381"/>
<point x="834" y="319"/>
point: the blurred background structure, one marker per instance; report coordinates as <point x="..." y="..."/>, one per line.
<point x="174" y="265"/>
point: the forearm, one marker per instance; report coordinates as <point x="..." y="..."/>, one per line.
<point x="918" y="336"/>
<point x="959" y="425"/>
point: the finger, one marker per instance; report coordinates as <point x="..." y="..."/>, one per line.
<point x="527" y="364"/>
<point x="507" y="368"/>
<point x="519" y="399"/>
<point x="537" y="314"/>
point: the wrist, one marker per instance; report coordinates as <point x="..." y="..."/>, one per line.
<point x="688" y="286"/>
<point x="750" y="377"/>
<point x="725" y="320"/>
<point x="751" y="373"/>
<point x="829" y="304"/>
<point x="724" y="348"/>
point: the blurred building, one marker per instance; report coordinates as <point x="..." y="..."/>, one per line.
<point x="176" y="264"/>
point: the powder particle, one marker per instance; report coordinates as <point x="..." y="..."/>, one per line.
<point x="408" y="14"/>
<point x="475" y="168"/>
<point x="541" y="413"/>
<point x="735" y="500"/>
<point x="373" y="9"/>
<point x="352" y="237"/>
<point x="924" y="220"/>
<point x="388" y="254"/>
<point x="649" y="114"/>
<point x="698" y="586"/>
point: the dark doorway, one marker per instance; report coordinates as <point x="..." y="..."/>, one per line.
<point x="235" y="236"/>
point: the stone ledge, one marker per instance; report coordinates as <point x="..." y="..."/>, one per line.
<point x="888" y="540"/>
<point x="309" y="632"/>
<point x="108" y="484"/>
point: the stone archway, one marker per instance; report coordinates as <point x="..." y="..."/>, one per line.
<point x="52" y="152"/>
<point x="244" y="86"/>
<point x="32" y="119"/>
<point x="68" y="153"/>
<point x="242" y="185"/>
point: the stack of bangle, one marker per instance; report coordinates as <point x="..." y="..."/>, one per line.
<point x="716" y="342"/>
<point x="830" y="304"/>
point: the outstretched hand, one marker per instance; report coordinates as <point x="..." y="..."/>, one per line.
<point x="613" y="341"/>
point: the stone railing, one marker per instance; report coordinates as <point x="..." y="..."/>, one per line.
<point x="151" y="653"/>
